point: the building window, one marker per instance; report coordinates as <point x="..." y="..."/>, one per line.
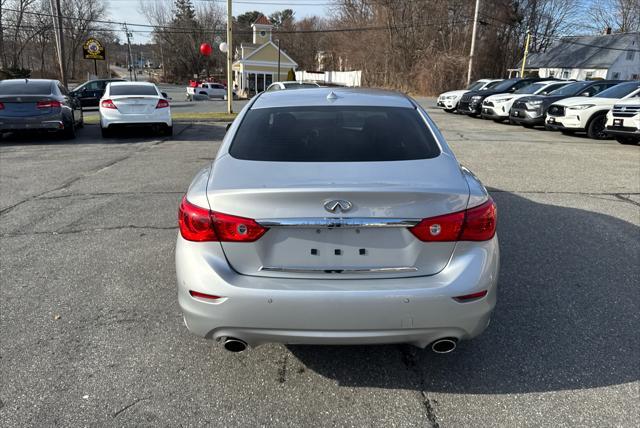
<point x="635" y="76"/>
<point x="589" y="75"/>
<point x="565" y="74"/>
<point x="552" y="73"/>
<point x="616" y="75"/>
<point x="630" y="55"/>
<point x="263" y="33"/>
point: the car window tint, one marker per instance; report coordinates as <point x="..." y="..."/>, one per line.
<point x="620" y="90"/>
<point x="25" y="87"/>
<point x="298" y="85"/>
<point x="132" y="90"/>
<point x="530" y="89"/>
<point x="333" y="134"/>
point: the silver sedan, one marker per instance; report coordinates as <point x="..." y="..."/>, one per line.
<point x="336" y="216"/>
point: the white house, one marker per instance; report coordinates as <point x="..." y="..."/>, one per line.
<point x="607" y="56"/>
<point x="257" y="63"/>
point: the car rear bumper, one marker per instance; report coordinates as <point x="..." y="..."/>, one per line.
<point x="49" y="122"/>
<point x="160" y="117"/>
<point x="258" y="310"/>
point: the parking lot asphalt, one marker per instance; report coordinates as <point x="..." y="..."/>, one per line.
<point x="91" y="333"/>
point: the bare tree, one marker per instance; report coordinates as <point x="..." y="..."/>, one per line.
<point x="620" y="15"/>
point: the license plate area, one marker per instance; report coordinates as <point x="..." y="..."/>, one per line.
<point x="618" y="122"/>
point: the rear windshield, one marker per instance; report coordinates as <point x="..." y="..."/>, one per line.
<point x="620" y="90"/>
<point x="299" y="85"/>
<point x="333" y="134"/>
<point x="132" y="90"/>
<point x="21" y="87"/>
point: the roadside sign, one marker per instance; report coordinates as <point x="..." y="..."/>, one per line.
<point x="93" y="49"/>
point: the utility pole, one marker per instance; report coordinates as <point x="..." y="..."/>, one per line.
<point x="473" y="42"/>
<point x="229" y="58"/>
<point x="132" y="69"/>
<point x="59" y="36"/>
<point x="526" y="51"/>
<point x="278" y="60"/>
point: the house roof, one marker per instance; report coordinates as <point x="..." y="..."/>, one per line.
<point x="585" y="51"/>
<point x="262" y="20"/>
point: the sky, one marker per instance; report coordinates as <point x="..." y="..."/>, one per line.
<point x="129" y="10"/>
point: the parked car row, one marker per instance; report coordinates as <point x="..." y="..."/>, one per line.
<point x="46" y="105"/>
<point x="599" y="108"/>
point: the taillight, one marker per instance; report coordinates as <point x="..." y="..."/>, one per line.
<point x="474" y="224"/>
<point x="48" y="104"/>
<point x="200" y="224"/>
<point x="108" y="104"/>
<point x="1" y="106"/>
<point x="162" y="103"/>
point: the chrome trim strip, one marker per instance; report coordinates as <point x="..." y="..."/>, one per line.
<point x="340" y="270"/>
<point x="338" y="222"/>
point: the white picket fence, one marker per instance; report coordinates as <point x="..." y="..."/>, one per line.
<point x="345" y="78"/>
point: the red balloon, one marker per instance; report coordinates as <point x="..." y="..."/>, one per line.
<point x="205" y="49"/>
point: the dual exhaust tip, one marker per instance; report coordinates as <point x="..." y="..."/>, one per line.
<point x="440" y="346"/>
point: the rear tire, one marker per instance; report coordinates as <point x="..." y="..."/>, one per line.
<point x="596" y="127"/>
<point x="630" y="141"/>
<point x="69" y="131"/>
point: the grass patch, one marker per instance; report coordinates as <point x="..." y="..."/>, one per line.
<point x="180" y="116"/>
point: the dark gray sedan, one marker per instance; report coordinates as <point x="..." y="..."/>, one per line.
<point x="38" y="105"/>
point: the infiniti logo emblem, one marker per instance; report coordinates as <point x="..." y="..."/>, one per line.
<point x="338" y="206"/>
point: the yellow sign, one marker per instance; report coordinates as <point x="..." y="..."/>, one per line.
<point x="93" y="49"/>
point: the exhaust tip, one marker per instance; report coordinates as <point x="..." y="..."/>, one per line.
<point x="235" y="345"/>
<point x="444" y="346"/>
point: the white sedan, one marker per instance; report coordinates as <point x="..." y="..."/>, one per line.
<point x="134" y="104"/>
<point x="497" y="106"/>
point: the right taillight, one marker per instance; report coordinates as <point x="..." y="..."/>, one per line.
<point x="474" y="224"/>
<point x="200" y="225"/>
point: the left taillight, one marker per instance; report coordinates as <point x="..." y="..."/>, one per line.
<point x="201" y="225"/>
<point x="48" y="104"/>
<point x="1" y="106"/>
<point x="108" y="104"/>
<point x="474" y="224"/>
<point x="162" y="103"/>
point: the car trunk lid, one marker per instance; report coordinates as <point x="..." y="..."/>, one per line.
<point x="26" y="106"/>
<point x="307" y="239"/>
<point x="135" y="104"/>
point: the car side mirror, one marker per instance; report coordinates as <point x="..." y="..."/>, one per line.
<point x="164" y="95"/>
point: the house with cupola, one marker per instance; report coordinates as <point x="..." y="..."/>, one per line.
<point x="260" y="63"/>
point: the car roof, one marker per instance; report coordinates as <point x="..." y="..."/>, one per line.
<point x="332" y="96"/>
<point x="28" y="80"/>
<point x="128" y="83"/>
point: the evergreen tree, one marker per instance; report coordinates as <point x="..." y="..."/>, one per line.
<point x="184" y="11"/>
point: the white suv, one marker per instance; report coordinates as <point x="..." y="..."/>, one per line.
<point x="449" y="100"/>
<point x="588" y="114"/>
<point x="497" y="106"/>
<point x="623" y="121"/>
